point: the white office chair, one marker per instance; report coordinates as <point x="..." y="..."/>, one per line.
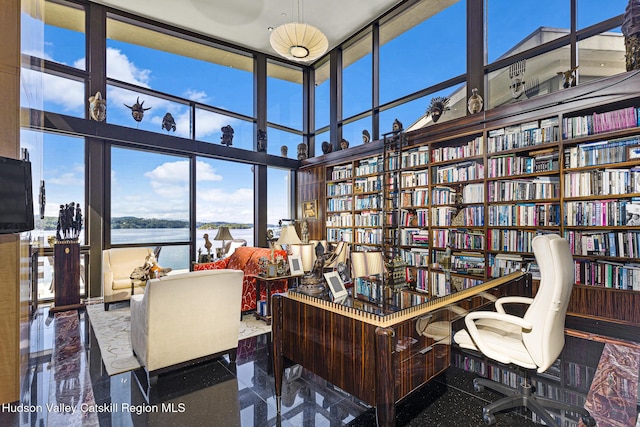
<point x="533" y="341"/>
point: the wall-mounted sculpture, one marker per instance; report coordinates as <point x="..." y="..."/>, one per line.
<point x="168" y="122"/>
<point x="137" y="110"/>
<point x="97" y="107"/>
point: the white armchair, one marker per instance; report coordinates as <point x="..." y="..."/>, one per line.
<point x="534" y="341"/>
<point x="185" y="319"/>
<point x="117" y="266"/>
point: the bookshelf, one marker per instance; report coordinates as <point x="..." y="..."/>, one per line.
<point x="488" y="184"/>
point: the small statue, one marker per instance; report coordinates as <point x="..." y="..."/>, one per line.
<point x="326" y="147"/>
<point x="397" y="126"/>
<point x="227" y="135"/>
<point x="631" y="32"/>
<point x="366" y="137"/>
<point x="284" y="151"/>
<point x="568" y="77"/>
<point x="97" y="107"/>
<point x="302" y="151"/>
<point x="305" y="231"/>
<point x="207" y="245"/>
<point x="475" y="102"/>
<point x="262" y="141"/>
<point x="437" y="107"/>
<point x="137" y="110"/>
<point x="344" y="144"/>
<point x="168" y="122"/>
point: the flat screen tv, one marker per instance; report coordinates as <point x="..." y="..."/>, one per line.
<point x="16" y="196"/>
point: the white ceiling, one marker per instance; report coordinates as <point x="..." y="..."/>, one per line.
<point x="247" y="22"/>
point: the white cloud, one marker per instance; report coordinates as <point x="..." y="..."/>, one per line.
<point x="121" y="68"/>
<point x="218" y="204"/>
<point x="196" y="95"/>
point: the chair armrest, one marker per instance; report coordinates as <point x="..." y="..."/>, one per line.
<point x="511" y="300"/>
<point x="215" y="265"/>
<point x="487" y="350"/>
<point x="139" y="312"/>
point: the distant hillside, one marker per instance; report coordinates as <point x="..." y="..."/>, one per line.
<point x="128" y="222"/>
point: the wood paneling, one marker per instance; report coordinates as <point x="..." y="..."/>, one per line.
<point x="311" y="186"/>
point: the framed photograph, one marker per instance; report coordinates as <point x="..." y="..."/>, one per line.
<point x="295" y="265"/>
<point x="310" y="209"/>
<point x="335" y="285"/>
<point x="272" y="270"/>
<point x="633" y="152"/>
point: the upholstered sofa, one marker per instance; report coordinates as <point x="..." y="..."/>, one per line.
<point x="186" y="318"/>
<point x="117" y="266"/>
<point x="246" y="258"/>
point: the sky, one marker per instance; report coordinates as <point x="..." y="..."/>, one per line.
<point x="155" y="185"/>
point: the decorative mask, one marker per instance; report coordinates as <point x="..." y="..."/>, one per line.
<point x="97" y="107"/>
<point x="168" y="122"/>
<point x="516" y="74"/>
<point x="137" y="110"/>
<point x="437" y="107"/>
<point x="227" y="135"/>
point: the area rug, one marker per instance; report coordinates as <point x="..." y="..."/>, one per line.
<point x="112" y="331"/>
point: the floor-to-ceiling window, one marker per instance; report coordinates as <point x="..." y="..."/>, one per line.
<point x="224" y="197"/>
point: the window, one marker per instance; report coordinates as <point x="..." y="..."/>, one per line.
<point x="323" y="98"/>
<point x="209" y="128"/>
<point x="594" y="11"/>
<point x="352" y="132"/>
<point x="58" y="94"/>
<point x="224" y="196"/>
<point x="601" y="55"/>
<point x="356" y="77"/>
<point x="279" y="205"/>
<point x="63" y="35"/>
<point x="186" y="69"/>
<point x="423" y="46"/>
<point x="514" y="26"/>
<point x="278" y="139"/>
<point x="284" y="95"/>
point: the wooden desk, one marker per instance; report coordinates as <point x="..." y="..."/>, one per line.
<point x="379" y="354"/>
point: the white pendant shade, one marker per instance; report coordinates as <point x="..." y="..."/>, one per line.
<point x="299" y="42"/>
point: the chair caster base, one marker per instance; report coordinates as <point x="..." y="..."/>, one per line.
<point x="588" y="421"/>
<point x="489" y="419"/>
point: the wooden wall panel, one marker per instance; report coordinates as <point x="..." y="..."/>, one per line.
<point x="311" y="186"/>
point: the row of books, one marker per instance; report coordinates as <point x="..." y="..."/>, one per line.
<point x="415" y="257"/>
<point x="524" y="214"/>
<point x="342" y="172"/>
<point x="600" y="153"/>
<point x="468" y="263"/>
<point x="511" y="240"/>
<point x="344" y="219"/>
<point x="443" y="215"/>
<point x="414" y="237"/>
<point x="368" y="202"/>
<point x="421" y="279"/>
<point x="523" y="135"/>
<point x="340" y="204"/>
<point x="372" y="165"/>
<point x="607" y="274"/>
<point x="524" y="189"/>
<point x="417" y="197"/>
<point x="602" y="213"/>
<point x="339" y="234"/>
<point x="503" y="264"/>
<point x="624" y="118"/>
<point x="368" y="218"/>
<point x="620" y="244"/>
<point x="416" y="157"/>
<point x="466" y="171"/>
<point x="602" y="182"/>
<point x="340" y="189"/>
<point x="367" y="185"/>
<point x="414" y="218"/>
<point x="510" y="165"/>
<point x="368" y="236"/>
<point x="415" y="179"/>
<point x="458" y="238"/>
<point x="475" y="147"/>
<point x="440" y="286"/>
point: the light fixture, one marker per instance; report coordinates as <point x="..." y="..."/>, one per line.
<point x="306" y="253"/>
<point x="288" y="237"/>
<point x="223" y="234"/>
<point x="298" y="41"/>
<point x="366" y="264"/>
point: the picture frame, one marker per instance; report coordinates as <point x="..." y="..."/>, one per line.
<point x="295" y="265"/>
<point x="336" y="285"/>
<point x="272" y="269"/>
<point x="633" y="152"/>
<point x="310" y="209"/>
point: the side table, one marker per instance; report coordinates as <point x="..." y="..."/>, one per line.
<point x="268" y="282"/>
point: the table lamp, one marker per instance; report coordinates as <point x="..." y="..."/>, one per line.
<point x="365" y="264"/>
<point x="223" y="234"/>
<point x="307" y="255"/>
<point x="288" y="237"/>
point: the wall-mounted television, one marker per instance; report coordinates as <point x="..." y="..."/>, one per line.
<point x="16" y="196"/>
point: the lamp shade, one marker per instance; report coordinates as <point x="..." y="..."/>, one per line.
<point x="367" y="263"/>
<point x="299" y="42"/>
<point x="307" y="254"/>
<point x="288" y="236"/>
<point x="223" y="234"/>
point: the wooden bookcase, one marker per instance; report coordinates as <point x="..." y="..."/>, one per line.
<point x="486" y="184"/>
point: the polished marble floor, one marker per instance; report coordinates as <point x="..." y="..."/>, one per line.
<point x="66" y="371"/>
